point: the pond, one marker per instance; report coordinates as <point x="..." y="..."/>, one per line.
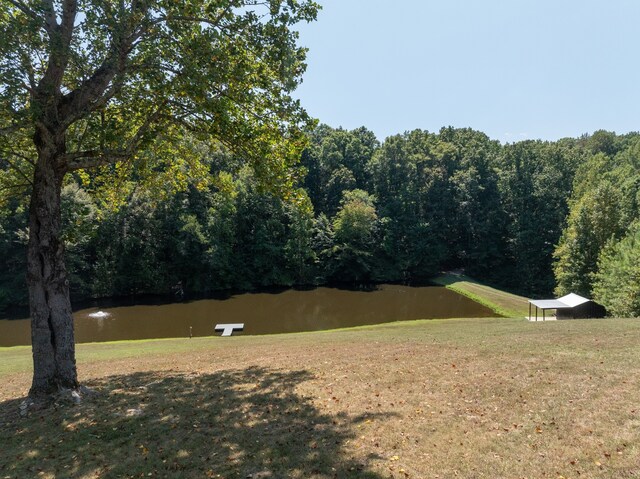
<point x="262" y="313"/>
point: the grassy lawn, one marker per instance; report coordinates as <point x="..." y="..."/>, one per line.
<point x="471" y="398"/>
<point x="501" y="302"/>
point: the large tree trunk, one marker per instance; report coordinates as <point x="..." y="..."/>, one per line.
<point x="54" y="363"/>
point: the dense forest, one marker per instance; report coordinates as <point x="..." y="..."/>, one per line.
<point x="531" y="217"/>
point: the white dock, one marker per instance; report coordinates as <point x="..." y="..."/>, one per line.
<point x="228" y="329"/>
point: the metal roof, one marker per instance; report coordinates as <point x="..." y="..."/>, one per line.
<point x="571" y="300"/>
<point x="548" y="303"/>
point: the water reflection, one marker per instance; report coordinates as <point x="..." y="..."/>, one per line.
<point x="261" y="313"/>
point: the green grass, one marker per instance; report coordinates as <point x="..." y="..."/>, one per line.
<point x="18" y="359"/>
<point x="503" y="303"/>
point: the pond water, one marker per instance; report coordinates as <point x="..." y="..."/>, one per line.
<point x="262" y="313"/>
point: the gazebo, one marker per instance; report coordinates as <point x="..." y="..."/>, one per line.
<point x="571" y="306"/>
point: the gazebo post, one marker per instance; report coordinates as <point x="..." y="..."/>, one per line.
<point x="529" y="318"/>
<point x="543" y="318"/>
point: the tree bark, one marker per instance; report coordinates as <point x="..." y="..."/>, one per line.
<point x="52" y="336"/>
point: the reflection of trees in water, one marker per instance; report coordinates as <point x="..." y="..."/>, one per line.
<point x="282" y="311"/>
<point x="243" y="423"/>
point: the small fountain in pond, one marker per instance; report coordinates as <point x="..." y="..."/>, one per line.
<point x="99" y="315"/>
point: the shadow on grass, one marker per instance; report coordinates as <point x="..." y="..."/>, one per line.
<point x="250" y="423"/>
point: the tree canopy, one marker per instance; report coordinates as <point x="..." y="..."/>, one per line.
<point x="127" y="79"/>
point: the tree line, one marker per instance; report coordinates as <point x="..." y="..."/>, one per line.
<point x="531" y="217"/>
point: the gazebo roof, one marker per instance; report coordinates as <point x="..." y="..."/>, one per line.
<point x="548" y="303"/>
<point x="571" y="300"/>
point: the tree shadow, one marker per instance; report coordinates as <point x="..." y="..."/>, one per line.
<point x="249" y="423"/>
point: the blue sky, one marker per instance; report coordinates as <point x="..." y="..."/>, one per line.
<point x="514" y="69"/>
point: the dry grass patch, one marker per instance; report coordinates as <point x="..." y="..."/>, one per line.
<point x="456" y="398"/>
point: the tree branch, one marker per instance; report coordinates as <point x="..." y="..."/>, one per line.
<point x="13" y="166"/>
<point x="91" y="94"/>
<point x="60" y="37"/>
<point x="14" y="187"/>
<point x="28" y="66"/>
<point x="50" y="16"/>
<point x="7" y="130"/>
<point x="69" y="10"/>
<point x="24" y="9"/>
<point x="79" y="160"/>
<point x="213" y="22"/>
<point x="23" y="157"/>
